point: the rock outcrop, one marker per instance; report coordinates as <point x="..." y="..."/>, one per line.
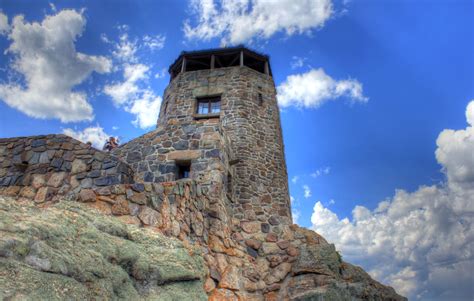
<point x="68" y="251"/>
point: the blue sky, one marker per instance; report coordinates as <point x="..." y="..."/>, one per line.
<point x="366" y="88"/>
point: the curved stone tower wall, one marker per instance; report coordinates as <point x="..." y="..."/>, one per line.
<point x="249" y="120"/>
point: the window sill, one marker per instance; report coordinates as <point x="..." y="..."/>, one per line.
<point x="206" y="116"/>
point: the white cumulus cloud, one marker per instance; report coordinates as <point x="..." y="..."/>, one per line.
<point x="146" y="109"/>
<point x="44" y="55"/>
<point x="132" y="93"/>
<point x="420" y="242"/>
<point x="315" y="87"/>
<point x="242" y="21"/>
<point x="123" y="92"/>
<point x="4" y="27"/>
<point x="94" y="134"/>
<point x="455" y="153"/>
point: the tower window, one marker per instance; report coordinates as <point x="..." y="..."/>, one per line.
<point x="229" y="186"/>
<point x="183" y="170"/>
<point x="260" y="98"/>
<point x="210" y="105"/>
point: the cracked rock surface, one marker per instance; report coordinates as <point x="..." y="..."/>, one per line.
<point x="68" y="251"/>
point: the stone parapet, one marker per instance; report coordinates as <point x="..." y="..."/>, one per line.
<point x="53" y="165"/>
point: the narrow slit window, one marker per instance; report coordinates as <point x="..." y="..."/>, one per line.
<point x="184" y="170"/>
<point x="260" y="98"/>
<point x="209" y="105"/>
<point x="229" y="185"/>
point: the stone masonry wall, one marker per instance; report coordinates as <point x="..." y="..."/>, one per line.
<point x="249" y="119"/>
<point x="54" y="165"/>
<point x="295" y="264"/>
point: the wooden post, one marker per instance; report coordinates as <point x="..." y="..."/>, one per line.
<point x="183" y="65"/>
<point x="213" y="61"/>
<point x="267" y="70"/>
<point x="241" y="59"/>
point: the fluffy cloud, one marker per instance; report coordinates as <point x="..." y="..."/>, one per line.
<point x="321" y="171"/>
<point x="297" y="62"/>
<point x="124" y="91"/>
<point x="132" y="93"/>
<point x="307" y="191"/>
<point x="146" y="109"/>
<point x="125" y="49"/>
<point x="295" y="179"/>
<point x="296" y="215"/>
<point x="154" y="42"/>
<point x="45" y="56"/>
<point x="241" y="21"/>
<point x="455" y="153"/>
<point x="420" y="242"/>
<point x="94" y="134"/>
<point x="313" y="88"/>
<point x="4" y="27"/>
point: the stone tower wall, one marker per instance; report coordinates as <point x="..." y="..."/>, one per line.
<point x="250" y="122"/>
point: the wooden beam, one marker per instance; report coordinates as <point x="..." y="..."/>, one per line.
<point x="241" y="58"/>
<point x="218" y="61"/>
<point x="213" y="61"/>
<point x="183" y="65"/>
<point x="234" y="60"/>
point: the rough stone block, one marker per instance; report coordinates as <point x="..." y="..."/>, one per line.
<point x="56" y="179"/>
<point x="250" y="227"/>
<point x="107" y="180"/>
<point x="184" y="155"/>
<point x="121" y="206"/>
<point x="137" y="197"/>
<point x="38" y="181"/>
<point x="44" y="194"/>
<point x="270" y="248"/>
<point x="87" y="195"/>
<point x="78" y="166"/>
<point x="28" y="192"/>
<point x="150" y="217"/>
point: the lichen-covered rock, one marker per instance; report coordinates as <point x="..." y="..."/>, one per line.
<point x="67" y="251"/>
<point x="320" y="274"/>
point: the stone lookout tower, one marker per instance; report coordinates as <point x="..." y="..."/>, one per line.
<point x="219" y="124"/>
<point x="211" y="174"/>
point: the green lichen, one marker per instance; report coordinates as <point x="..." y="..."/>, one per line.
<point x="68" y="251"/>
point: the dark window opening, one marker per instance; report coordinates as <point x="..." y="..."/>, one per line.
<point x="220" y="59"/>
<point x="208" y="105"/>
<point x="254" y="63"/>
<point x="260" y="98"/>
<point x="229" y="185"/>
<point x="227" y="60"/>
<point x="198" y="63"/>
<point x="166" y="107"/>
<point x="183" y="170"/>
